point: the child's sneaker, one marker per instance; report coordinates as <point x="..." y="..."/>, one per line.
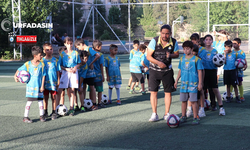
<point x="143" y="93"/>
<point x="109" y="102"/>
<point x="242" y="99"/>
<point x="214" y="108"/>
<point x="137" y="88"/>
<point x="42" y="118"/>
<point x="128" y="87"/>
<point x="54" y="116"/>
<point x="27" y="120"/>
<point x="118" y="102"/>
<point x="165" y="117"/>
<point x="76" y="108"/>
<point x="71" y="112"/>
<point x="195" y="121"/>
<point x="222" y="112"/>
<point x="154" y="118"/>
<point x="82" y="109"/>
<point x="238" y="100"/>
<point x="201" y="113"/>
<point x="94" y="107"/>
<point x="183" y="119"/>
<point x="101" y="106"/>
<point x="132" y="92"/>
<point x="189" y="113"/>
<point x="46" y="115"/>
<point x="228" y="100"/>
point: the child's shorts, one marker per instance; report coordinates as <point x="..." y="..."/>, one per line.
<point x="69" y="80"/>
<point x="46" y="92"/>
<point x="230" y="77"/>
<point x="98" y="87"/>
<point x="192" y="97"/>
<point x="117" y="86"/>
<point x="240" y="79"/>
<point x="136" y="77"/>
<point x="89" y="81"/>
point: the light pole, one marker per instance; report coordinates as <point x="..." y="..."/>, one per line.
<point x="179" y="19"/>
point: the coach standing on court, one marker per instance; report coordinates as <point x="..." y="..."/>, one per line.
<point x="161" y="50"/>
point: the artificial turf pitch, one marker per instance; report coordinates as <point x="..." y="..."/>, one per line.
<point x="119" y="127"/>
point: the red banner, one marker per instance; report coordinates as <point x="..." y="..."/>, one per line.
<point x="26" y="39"/>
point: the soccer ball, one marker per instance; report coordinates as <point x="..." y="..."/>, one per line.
<point x="218" y="60"/>
<point x="240" y="63"/>
<point x="88" y="103"/>
<point x="61" y="110"/>
<point x="173" y="121"/>
<point x="104" y="99"/>
<point x="224" y="96"/>
<point x="23" y="76"/>
<point x="206" y="104"/>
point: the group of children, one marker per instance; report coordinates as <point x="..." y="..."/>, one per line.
<point x="198" y="74"/>
<point x="74" y="70"/>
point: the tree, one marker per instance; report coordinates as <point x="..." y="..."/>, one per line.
<point x="101" y="9"/>
<point x="114" y="15"/>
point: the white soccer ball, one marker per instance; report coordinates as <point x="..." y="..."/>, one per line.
<point x="224" y="96"/>
<point x="240" y="63"/>
<point x="206" y="104"/>
<point x="61" y="110"/>
<point x="23" y="76"/>
<point x="88" y="103"/>
<point x="218" y="60"/>
<point x="173" y="121"/>
<point x="104" y="99"/>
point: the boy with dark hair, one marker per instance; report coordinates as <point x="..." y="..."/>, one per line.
<point x="52" y="79"/>
<point x="113" y="73"/>
<point x="35" y="86"/>
<point x="230" y="72"/>
<point x="241" y="54"/>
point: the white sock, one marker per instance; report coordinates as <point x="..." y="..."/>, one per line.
<point x="189" y="108"/>
<point x="41" y="111"/>
<point x="27" y="108"/>
<point x="118" y="93"/>
<point x="153" y="113"/>
<point x="202" y="108"/>
<point x="110" y="94"/>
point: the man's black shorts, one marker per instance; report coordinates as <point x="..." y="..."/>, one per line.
<point x="167" y="78"/>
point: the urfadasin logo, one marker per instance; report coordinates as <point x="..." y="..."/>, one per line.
<point x="6" y="25"/>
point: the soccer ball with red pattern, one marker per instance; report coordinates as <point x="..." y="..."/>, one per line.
<point x="240" y="63"/>
<point x="23" y="76"/>
<point x="173" y="121"/>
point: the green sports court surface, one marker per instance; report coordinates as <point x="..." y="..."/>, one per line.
<point x="119" y="127"/>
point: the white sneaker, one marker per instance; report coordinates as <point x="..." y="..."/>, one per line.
<point x="154" y="117"/>
<point x="222" y="112"/>
<point x="165" y="117"/>
<point x="189" y="113"/>
<point x="201" y="113"/>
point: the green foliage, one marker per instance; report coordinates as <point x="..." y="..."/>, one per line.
<point x="114" y="15"/>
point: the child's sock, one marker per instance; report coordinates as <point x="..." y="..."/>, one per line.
<point x="241" y="90"/>
<point x="27" y="108"/>
<point x="41" y="111"/>
<point x="45" y="111"/>
<point x="118" y="93"/>
<point x="189" y="108"/>
<point x="110" y="94"/>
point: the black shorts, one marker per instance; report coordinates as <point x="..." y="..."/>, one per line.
<point x="199" y="95"/>
<point x="210" y="80"/>
<point x="136" y="77"/>
<point x="89" y="81"/>
<point x="166" y="77"/>
<point x="147" y="76"/>
<point x="230" y="77"/>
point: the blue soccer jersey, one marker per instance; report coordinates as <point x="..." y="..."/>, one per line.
<point x="207" y="58"/>
<point x="69" y="60"/>
<point x="189" y="74"/>
<point x="97" y="68"/>
<point x="82" y="71"/>
<point x="241" y="55"/>
<point x="230" y="61"/>
<point x="135" y="62"/>
<point x="113" y="65"/>
<point x="52" y="67"/>
<point x="37" y="72"/>
<point x="219" y="46"/>
<point x="91" y="72"/>
<point x="146" y="62"/>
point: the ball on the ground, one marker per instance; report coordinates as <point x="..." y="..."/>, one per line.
<point x="240" y="63"/>
<point x="23" y="76"/>
<point x="206" y="104"/>
<point x="173" y="121"/>
<point x="61" y="110"/>
<point x="218" y="60"/>
<point x="88" y="103"/>
<point x="104" y="99"/>
<point x="224" y="96"/>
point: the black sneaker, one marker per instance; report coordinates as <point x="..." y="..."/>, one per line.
<point x="82" y="109"/>
<point x="46" y="115"/>
<point x="228" y="100"/>
<point x="27" y="120"/>
<point x="238" y="100"/>
<point x="71" y="112"/>
<point x="101" y="105"/>
<point x="42" y="118"/>
<point x="76" y="108"/>
<point x="54" y="116"/>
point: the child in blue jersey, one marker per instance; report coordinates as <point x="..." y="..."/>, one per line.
<point x="190" y="72"/>
<point x="210" y="80"/>
<point x="241" y="54"/>
<point x="52" y="79"/>
<point x="69" y="61"/>
<point x="145" y="64"/>
<point x="113" y="73"/>
<point x="90" y="75"/>
<point x="135" y="69"/>
<point x="230" y="72"/>
<point x="135" y="49"/>
<point x="35" y="86"/>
